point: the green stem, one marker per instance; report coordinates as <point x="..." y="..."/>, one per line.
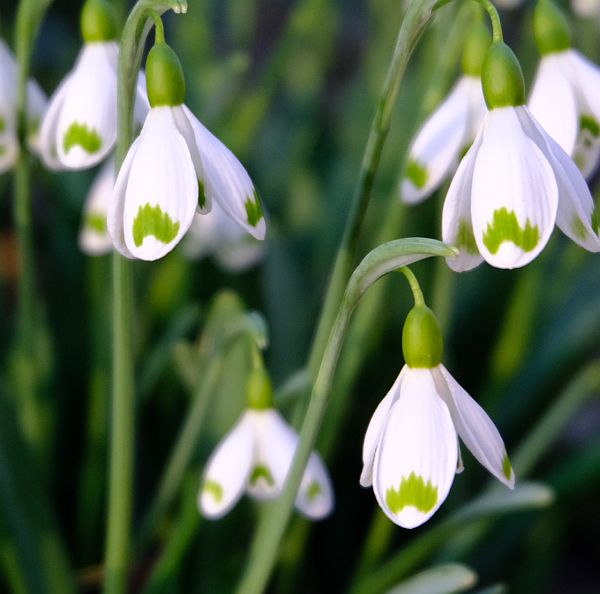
<point x="415" y="287"/>
<point x="492" y="13"/>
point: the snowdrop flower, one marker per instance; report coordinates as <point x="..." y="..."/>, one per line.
<point x="411" y="451"/>
<point x="94" y="239"/>
<point x="217" y="234"/>
<point x="173" y="169"/>
<point x="451" y="128"/>
<point x="80" y="126"/>
<point x="565" y="98"/>
<point x="36" y="106"/>
<point x="586" y="8"/>
<point x="255" y="457"/>
<point x="514" y="183"/>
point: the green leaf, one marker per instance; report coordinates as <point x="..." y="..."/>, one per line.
<point x="443" y="579"/>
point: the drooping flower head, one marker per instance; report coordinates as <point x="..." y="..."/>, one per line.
<point x="565" y="97"/>
<point x="451" y="128"/>
<point x="80" y="126"/>
<point x="411" y="451"/>
<point x="256" y="456"/>
<point x="36" y="106"/>
<point x="514" y="183"/>
<point x="173" y="169"/>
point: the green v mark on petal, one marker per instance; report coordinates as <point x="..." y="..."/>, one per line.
<point x="505" y="227"/>
<point x="96" y="221"/>
<point x="465" y="240"/>
<point x="80" y="135"/>
<point x="254" y="211"/>
<point x="151" y="220"/>
<point x="313" y="491"/>
<point x="261" y="472"/>
<point x="416" y="173"/>
<point x="589" y="123"/>
<point x="213" y="488"/>
<point x="413" y="491"/>
<point x="506" y="468"/>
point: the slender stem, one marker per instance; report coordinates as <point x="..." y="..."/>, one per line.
<point x="492" y="13"/>
<point x="414" y="285"/>
<point x="159" y="28"/>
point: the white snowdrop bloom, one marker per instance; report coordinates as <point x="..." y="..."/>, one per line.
<point x="411" y="451"/>
<point x="80" y="126"/>
<point x="255" y="458"/>
<point x="217" y="234"/>
<point x="514" y="183"/>
<point x="36" y="106"/>
<point x="173" y="169"/>
<point x="565" y="97"/>
<point x="586" y="8"/>
<point x="94" y="239"/>
<point x="450" y="129"/>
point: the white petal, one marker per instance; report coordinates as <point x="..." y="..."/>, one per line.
<point x="417" y="455"/>
<point x="552" y="101"/>
<point x="585" y="79"/>
<point x="227" y="182"/>
<point x="315" y="496"/>
<point x="586" y="8"/>
<point x="276" y="444"/>
<point x="515" y="195"/>
<point x="162" y="189"/>
<point x="438" y="143"/>
<point x="9" y="150"/>
<point x="475" y="428"/>
<point x="47" y="146"/>
<point x="375" y="428"/>
<point x="87" y="124"/>
<point x="94" y="239"/>
<point x="227" y="471"/>
<point x="575" y="203"/>
<point x="457" y="228"/>
<point x="142" y="105"/>
<point x="587" y="149"/>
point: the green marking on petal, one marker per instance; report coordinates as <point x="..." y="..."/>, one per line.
<point x="417" y="173"/>
<point x="151" y="220"/>
<point x="413" y="491"/>
<point x="261" y="472"/>
<point x="201" y="195"/>
<point x="96" y="221"/>
<point x="33" y="126"/>
<point x="2" y="124"/>
<point x="589" y="123"/>
<point x="505" y="227"/>
<point x="81" y="135"/>
<point x="254" y="211"/>
<point x="507" y="468"/>
<point x="465" y="240"/>
<point x="213" y="488"/>
<point x="313" y="491"/>
<point x="578" y="228"/>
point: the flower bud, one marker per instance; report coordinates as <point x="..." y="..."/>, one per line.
<point x="259" y="392"/>
<point x="502" y="77"/>
<point x="98" y="21"/>
<point x="164" y="77"/>
<point x="550" y="28"/>
<point x="476" y="45"/>
<point x="422" y="342"/>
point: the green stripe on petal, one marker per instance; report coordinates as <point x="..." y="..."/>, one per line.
<point x="417" y="173"/>
<point x="465" y="240"/>
<point x="201" y="195"/>
<point x="254" y="211"/>
<point x="261" y="472"/>
<point x="413" y="491"/>
<point x="213" y="488"/>
<point x="505" y="227"/>
<point x="151" y="220"/>
<point x="507" y="468"/>
<point x="313" y="491"/>
<point x="96" y="221"/>
<point x="80" y="135"/>
<point x="589" y="123"/>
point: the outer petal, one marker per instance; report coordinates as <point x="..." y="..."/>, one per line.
<point x="585" y="8"/>
<point x="228" y="469"/>
<point x="227" y="182"/>
<point x="48" y="131"/>
<point x="437" y="145"/>
<point x="162" y="189"/>
<point x="375" y="429"/>
<point x="457" y="228"/>
<point x="94" y="239"/>
<point x="552" y="101"/>
<point x="276" y="443"/>
<point x="475" y="428"/>
<point x="575" y="215"/>
<point x="315" y="496"/>
<point x="87" y="125"/>
<point x="417" y="455"/>
<point x="515" y="196"/>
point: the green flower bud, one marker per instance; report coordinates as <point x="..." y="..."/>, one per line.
<point x="502" y="77"/>
<point x="422" y="342"/>
<point x="476" y="45"/>
<point x="164" y="77"/>
<point x="551" y="29"/>
<point x="98" y="21"/>
<point x="259" y="393"/>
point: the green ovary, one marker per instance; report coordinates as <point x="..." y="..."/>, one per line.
<point x="151" y="220"/>
<point x="505" y="227"/>
<point x="414" y="492"/>
<point x="254" y="211"/>
<point x="465" y="239"/>
<point x="213" y="488"/>
<point x="506" y="468"/>
<point x="81" y="135"/>
<point x="313" y="491"/>
<point x="96" y="221"/>
<point x="261" y="472"/>
<point x="416" y="173"/>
